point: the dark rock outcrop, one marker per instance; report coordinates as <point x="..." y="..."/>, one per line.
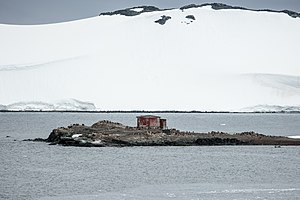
<point x="163" y="20"/>
<point x="220" y="6"/>
<point x="215" y="6"/>
<point x="36" y="140"/>
<point x="220" y="141"/>
<point x="106" y="133"/>
<point x="192" y="17"/>
<point x="132" y="12"/>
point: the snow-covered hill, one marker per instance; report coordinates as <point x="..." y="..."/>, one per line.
<point x="198" y="58"/>
<point x="62" y="105"/>
<point x="2" y="107"/>
<point x="271" y="108"/>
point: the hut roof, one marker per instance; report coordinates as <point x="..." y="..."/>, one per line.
<point x="148" y="116"/>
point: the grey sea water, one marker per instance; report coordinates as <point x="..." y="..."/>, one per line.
<point x="31" y="170"/>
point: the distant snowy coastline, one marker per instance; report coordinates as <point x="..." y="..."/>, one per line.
<point x="271" y="108"/>
<point x="62" y="105"/>
<point x="73" y="105"/>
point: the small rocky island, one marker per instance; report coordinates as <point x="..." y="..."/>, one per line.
<point x="152" y="131"/>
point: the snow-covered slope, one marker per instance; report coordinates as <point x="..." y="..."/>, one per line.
<point x="271" y="108"/>
<point x="62" y="105"/>
<point x="199" y="59"/>
<point x="2" y="107"/>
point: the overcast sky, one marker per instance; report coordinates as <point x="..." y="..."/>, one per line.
<point x="51" y="11"/>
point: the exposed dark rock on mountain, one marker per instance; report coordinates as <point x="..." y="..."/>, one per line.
<point x="290" y="13"/>
<point x="190" y="17"/>
<point x="132" y="12"/>
<point x="215" y="6"/>
<point x="220" y="6"/>
<point x="107" y="133"/>
<point x="163" y="20"/>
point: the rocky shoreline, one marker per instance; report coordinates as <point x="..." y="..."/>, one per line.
<point x="111" y="134"/>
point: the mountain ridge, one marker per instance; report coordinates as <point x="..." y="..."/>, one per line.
<point x="215" y="6"/>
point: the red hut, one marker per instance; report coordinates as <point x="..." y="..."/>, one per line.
<point x="151" y="121"/>
<point x="163" y="123"/>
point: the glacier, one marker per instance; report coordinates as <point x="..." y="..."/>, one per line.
<point x="222" y="60"/>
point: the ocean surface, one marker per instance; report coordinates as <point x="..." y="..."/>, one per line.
<point x="34" y="170"/>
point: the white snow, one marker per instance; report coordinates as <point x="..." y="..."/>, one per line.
<point x="137" y="9"/>
<point x="224" y="60"/>
<point x="96" y="142"/>
<point x="62" y="105"/>
<point x="271" y="108"/>
<point x="294" y="137"/>
<point x="76" y="135"/>
<point x="73" y="104"/>
<point x="2" y="107"/>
